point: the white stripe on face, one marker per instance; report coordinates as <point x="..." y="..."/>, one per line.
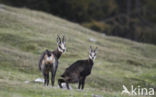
<point x="92" y="55"/>
<point x="61" y="47"/>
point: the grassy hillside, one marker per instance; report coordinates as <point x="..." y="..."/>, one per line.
<point x="25" y="34"/>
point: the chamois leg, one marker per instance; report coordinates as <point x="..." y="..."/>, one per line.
<point x="83" y="82"/>
<point x="60" y="81"/>
<point x="53" y="76"/>
<point x="47" y="78"/>
<point x="53" y="72"/>
<point x="80" y="83"/>
<point x="67" y="85"/>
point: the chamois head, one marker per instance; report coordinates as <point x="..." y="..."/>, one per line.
<point x="61" y="44"/>
<point x="92" y="53"/>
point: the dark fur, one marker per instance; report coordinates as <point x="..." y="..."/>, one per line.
<point x="49" y="67"/>
<point x="77" y="72"/>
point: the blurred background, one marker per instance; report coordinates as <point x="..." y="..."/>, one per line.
<point x="132" y="19"/>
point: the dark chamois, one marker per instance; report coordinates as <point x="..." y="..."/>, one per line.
<point x="49" y="61"/>
<point x="78" y="71"/>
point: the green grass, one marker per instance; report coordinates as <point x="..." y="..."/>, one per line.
<point x="25" y="34"/>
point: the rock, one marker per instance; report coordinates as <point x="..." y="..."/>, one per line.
<point x="93" y="95"/>
<point x="103" y="34"/>
<point x="1" y="7"/>
<point x="26" y="82"/>
<point x="92" y="40"/>
<point x="39" y="80"/>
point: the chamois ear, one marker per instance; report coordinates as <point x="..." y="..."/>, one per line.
<point x="95" y="50"/>
<point x="63" y="39"/>
<point x="90" y="49"/>
<point x="46" y="50"/>
<point x="58" y="39"/>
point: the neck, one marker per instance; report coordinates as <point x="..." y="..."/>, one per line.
<point x="91" y="61"/>
<point x="57" y="53"/>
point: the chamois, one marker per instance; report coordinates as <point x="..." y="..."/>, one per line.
<point x="78" y="71"/>
<point x="49" y="61"/>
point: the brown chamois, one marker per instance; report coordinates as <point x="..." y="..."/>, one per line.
<point x="49" y="61"/>
<point x="78" y="71"/>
